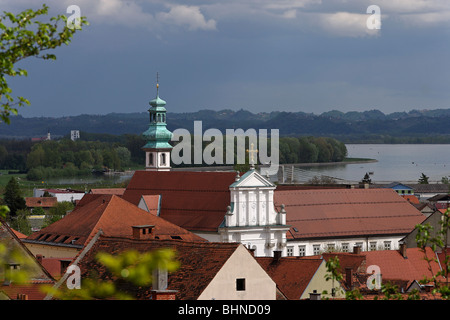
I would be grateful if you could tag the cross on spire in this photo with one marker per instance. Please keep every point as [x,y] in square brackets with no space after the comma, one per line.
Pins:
[251,153]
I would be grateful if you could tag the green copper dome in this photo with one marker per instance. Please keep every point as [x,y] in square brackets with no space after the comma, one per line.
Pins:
[157,134]
[157,102]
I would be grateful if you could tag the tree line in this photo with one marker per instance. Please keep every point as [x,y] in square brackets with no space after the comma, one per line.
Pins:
[100,152]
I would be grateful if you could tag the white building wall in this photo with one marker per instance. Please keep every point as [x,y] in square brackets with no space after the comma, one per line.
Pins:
[293,247]
[241,265]
[60,196]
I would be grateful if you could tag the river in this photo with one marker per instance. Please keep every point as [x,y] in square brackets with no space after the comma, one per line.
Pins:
[395,162]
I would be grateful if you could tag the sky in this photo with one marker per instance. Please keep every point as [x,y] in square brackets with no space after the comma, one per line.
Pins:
[259,55]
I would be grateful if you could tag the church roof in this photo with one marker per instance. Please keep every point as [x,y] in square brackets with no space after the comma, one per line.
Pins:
[347,212]
[194,200]
[110,213]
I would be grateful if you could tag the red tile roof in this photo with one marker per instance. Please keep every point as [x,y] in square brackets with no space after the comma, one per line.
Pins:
[33,290]
[152,203]
[394,266]
[412,199]
[19,234]
[44,202]
[116,191]
[199,263]
[291,274]
[113,215]
[194,200]
[346,212]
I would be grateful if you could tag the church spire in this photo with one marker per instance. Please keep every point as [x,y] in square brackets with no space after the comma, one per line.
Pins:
[158,147]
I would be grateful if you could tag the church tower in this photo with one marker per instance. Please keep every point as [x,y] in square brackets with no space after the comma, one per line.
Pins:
[157,150]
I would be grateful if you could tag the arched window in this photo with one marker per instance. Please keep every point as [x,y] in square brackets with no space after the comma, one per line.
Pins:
[150,159]
[163,158]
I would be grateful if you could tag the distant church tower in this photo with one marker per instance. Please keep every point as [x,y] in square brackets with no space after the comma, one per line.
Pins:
[157,150]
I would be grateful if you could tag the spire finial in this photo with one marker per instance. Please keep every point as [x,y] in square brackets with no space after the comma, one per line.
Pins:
[157,84]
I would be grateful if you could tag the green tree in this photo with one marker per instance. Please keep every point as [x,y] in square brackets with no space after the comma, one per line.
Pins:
[21,222]
[124,156]
[366,179]
[13,197]
[423,179]
[23,36]
[333,274]
[36,157]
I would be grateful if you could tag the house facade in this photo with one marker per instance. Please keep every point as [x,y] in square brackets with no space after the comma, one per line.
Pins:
[207,271]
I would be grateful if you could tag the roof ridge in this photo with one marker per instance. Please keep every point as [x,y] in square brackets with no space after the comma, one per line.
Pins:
[170,241]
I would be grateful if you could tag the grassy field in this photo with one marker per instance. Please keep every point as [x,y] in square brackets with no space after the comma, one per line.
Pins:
[28,186]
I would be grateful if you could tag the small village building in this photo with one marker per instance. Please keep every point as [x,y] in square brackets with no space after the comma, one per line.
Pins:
[61,195]
[400,188]
[427,190]
[40,202]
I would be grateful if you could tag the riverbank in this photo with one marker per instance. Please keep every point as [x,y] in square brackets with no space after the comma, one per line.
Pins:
[344,162]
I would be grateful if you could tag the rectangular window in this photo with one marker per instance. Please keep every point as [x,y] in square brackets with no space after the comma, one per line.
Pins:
[373,246]
[316,249]
[290,251]
[387,245]
[330,247]
[240,284]
[345,247]
[301,251]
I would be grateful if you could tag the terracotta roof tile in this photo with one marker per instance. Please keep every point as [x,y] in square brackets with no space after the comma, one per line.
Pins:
[194,200]
[114,216]
[291,274]
[45,202]
[394,266]
[151,203]
[199,263]
[347,212]
[116,191]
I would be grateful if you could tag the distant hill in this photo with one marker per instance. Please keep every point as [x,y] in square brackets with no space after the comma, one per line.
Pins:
[351,126]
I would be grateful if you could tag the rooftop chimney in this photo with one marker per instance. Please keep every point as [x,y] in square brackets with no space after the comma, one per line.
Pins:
[144,232]
[276,255]
[159,286]
[348,278]
[402,250]
[22,296]
[314,295]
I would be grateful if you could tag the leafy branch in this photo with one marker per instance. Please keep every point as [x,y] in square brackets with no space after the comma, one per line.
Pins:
[23,36]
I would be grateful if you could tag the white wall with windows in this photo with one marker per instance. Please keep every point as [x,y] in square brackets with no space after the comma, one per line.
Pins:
[300,248]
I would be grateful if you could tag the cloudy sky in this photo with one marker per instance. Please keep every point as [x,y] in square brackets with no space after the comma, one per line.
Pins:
[259,55]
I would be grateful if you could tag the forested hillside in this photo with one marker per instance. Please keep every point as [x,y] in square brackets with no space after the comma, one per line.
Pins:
[424,126]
